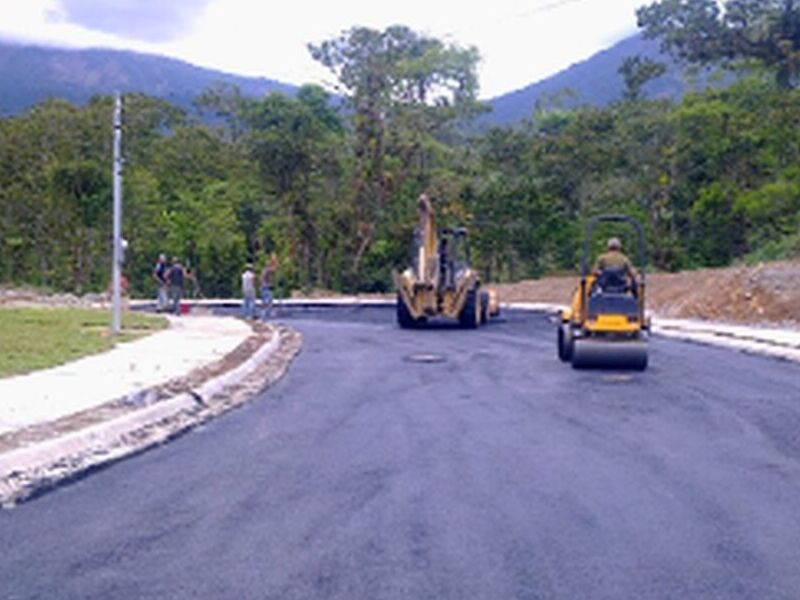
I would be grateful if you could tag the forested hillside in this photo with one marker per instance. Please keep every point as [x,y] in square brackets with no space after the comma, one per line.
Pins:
[31,74]
[714,177]
[595,81]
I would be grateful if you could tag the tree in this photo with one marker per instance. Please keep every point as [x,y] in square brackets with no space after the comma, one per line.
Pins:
[636,71]
[703,33]
[403,88]
[224,101]
[296,145]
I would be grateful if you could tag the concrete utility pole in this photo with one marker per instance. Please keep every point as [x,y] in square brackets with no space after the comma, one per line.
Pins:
[116,318]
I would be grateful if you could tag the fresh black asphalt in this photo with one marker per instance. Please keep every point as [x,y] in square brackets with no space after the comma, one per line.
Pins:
[446,464]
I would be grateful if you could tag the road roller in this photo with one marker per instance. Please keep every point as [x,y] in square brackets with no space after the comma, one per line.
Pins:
[605,325]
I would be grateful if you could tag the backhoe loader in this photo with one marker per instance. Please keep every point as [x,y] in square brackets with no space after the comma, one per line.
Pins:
[440,281]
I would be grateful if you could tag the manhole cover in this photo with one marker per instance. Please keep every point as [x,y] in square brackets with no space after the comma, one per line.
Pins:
[425,357]
[617,378]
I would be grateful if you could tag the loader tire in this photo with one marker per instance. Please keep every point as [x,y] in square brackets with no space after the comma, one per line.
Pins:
[404,318]
[484,307]
[565,343]
[470,315]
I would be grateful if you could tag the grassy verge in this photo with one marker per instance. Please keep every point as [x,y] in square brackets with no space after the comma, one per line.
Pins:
[37,338]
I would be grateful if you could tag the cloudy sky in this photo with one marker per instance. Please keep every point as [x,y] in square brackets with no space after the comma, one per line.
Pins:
[520,41]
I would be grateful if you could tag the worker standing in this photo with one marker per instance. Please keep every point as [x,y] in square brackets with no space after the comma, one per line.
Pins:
[248,292]
[175,277]
[160,276]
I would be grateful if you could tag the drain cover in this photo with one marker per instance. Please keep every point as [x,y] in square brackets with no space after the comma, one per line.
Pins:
[617,378]
[425,357]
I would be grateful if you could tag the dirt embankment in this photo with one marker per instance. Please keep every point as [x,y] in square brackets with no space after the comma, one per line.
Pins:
[25,296]
[765,294]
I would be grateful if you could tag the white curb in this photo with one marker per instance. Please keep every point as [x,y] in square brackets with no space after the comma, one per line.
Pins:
[99,436]
[769,341]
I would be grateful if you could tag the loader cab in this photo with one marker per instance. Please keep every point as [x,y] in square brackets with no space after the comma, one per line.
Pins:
[454,255]
[457,247]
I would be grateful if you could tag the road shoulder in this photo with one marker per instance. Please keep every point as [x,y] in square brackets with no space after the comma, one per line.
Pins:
[37,458]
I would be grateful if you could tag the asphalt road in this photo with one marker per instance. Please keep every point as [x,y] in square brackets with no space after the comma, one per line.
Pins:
[489,470]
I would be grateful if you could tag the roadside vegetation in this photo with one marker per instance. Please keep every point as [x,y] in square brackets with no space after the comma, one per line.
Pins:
[330,184]
[36,338]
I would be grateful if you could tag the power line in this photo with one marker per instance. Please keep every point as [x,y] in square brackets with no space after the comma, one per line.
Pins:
[548,7]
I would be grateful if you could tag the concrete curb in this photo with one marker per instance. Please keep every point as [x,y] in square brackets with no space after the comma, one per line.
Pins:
[770,342]
[27,470]
[214,386]
[288,302]
[777,343]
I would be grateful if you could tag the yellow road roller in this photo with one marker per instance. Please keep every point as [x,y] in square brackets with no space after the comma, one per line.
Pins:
[605,325]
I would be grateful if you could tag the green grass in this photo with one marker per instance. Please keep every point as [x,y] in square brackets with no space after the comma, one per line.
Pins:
[37,338]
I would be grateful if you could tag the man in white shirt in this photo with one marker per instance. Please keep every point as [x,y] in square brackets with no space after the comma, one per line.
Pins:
[249,292]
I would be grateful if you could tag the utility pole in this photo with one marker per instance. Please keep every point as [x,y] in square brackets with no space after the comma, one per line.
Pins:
[116,318]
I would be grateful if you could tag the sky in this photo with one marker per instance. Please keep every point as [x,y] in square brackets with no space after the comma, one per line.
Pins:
[520,42]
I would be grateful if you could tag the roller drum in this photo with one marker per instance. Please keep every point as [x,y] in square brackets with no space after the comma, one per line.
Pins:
[622,354]
[564,340]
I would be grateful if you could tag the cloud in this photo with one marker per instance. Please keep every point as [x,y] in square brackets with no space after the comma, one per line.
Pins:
[520,41]
[147,20]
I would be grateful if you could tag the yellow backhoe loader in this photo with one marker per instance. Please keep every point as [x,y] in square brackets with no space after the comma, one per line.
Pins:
[605,326]
[440,282]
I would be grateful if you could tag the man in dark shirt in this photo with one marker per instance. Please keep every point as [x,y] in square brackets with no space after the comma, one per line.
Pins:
[175,277]
[160,276]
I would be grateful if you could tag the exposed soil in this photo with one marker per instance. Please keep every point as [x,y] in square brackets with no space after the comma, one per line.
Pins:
[765,294]
[19,297]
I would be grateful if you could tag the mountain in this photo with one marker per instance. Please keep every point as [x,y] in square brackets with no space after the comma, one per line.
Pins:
[28,74]
[595,81]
